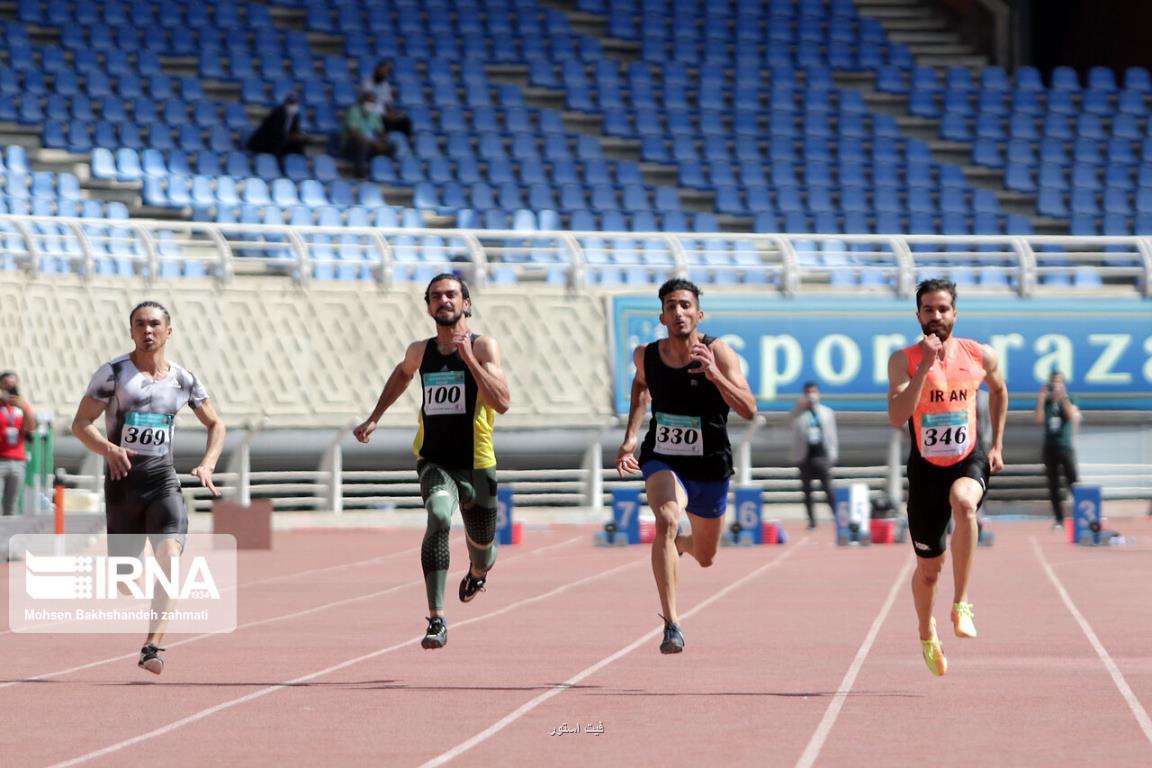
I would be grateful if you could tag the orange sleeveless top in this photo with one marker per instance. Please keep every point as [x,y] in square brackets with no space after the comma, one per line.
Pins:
[944,422]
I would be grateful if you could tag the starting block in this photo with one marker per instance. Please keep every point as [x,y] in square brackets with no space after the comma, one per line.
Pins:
[750,529]
[1087,516]
[853,515]
[507,531]
[625,528]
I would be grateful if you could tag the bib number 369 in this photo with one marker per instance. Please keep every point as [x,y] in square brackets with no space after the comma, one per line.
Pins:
[148,434]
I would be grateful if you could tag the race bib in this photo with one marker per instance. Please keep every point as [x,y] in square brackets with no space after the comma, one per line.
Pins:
[12,436]
[944,434]
[678,435]
[444,393]
[1054,424]
[148,434]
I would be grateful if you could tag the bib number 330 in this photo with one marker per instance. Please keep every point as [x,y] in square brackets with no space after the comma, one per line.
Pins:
[678,435]
[148,434]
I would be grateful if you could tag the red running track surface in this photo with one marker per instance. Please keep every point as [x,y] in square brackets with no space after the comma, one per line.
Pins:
[801,654]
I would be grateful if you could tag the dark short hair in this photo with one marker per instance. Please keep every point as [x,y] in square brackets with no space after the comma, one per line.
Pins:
[153,304]
[935,284]
[810,385]
[6,374]
[678,284]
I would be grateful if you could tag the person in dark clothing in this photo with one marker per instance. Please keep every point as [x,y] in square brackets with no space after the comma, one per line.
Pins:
[279,133]
[815,446]
[1057,411]
[691,381]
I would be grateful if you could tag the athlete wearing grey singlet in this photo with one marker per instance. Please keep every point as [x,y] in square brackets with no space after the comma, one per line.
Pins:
[139,417]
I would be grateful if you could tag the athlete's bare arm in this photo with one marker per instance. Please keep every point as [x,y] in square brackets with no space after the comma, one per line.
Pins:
[720,365]
[997,405]
[85,429]
[626,461]
[397,382]
[483,360]
[903,390]
[207,415]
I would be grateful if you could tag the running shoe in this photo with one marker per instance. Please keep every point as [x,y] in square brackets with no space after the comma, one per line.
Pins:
[470,585]
[436,636]
[934,656]
[673,641]
[962,620]
[150,659]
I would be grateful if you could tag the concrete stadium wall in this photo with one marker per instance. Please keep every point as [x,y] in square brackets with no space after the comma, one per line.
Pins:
[302,357]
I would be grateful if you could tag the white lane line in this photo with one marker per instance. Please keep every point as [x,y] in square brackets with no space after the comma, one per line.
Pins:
[1130,698]
[196,716]
[556,690]
[257,623]
[820,735]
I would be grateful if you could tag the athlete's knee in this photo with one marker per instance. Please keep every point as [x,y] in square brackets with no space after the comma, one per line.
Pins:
[440,507]
[928,569]
[964,509]
[667,518]
[706,558]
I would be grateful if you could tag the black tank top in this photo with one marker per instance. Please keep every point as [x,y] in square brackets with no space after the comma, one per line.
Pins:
[448,410]
[689,426]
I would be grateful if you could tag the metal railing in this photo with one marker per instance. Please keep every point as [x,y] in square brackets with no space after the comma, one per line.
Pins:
[786,263]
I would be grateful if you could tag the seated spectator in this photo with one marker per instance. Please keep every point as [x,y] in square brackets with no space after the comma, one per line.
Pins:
[364,136]
[279,133]
[379,82]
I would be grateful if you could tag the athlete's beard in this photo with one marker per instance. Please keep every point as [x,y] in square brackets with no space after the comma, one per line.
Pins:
[449,321]
[942,332]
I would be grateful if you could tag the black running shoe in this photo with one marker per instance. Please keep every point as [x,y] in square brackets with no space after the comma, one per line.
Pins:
[436,636]
[150,659]
[673,640]
[470,585]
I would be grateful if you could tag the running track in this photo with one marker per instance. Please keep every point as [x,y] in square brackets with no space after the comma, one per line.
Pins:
[797,655]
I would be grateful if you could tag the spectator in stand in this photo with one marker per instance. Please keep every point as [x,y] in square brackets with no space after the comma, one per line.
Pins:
[380,83]
[279,133]
[364,136]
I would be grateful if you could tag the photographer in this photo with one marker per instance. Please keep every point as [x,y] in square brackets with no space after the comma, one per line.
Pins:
[16,420]
[1057,411]
[815,447]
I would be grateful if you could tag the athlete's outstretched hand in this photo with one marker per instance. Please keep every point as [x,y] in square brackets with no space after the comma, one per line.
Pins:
[995,460]
[119,462]
[204,475]
[364,431]
[626,462]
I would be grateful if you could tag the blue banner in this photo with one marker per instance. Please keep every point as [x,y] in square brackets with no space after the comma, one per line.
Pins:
[1104,348]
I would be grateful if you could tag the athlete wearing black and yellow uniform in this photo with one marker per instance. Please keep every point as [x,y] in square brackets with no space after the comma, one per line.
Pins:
[139,395]
[932,388]
[463,390]
[691,381]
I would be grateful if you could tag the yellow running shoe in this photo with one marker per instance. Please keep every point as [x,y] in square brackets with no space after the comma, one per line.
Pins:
[962,620]
[934,656]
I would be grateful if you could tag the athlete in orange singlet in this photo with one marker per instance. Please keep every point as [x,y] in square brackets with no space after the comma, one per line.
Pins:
[932,388]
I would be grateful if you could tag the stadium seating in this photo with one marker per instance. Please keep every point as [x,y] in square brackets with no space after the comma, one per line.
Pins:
[737,101]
